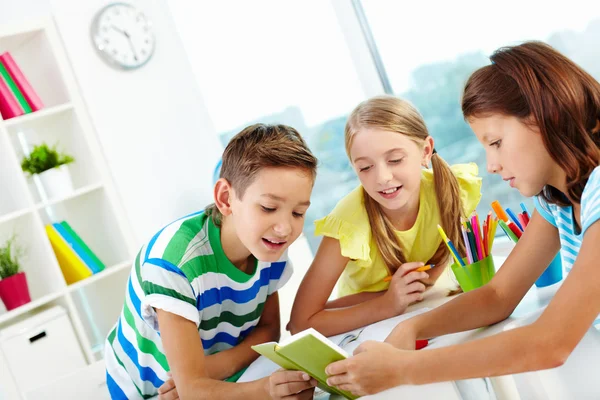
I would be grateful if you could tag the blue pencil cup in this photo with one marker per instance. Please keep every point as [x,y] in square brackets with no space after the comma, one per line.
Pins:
[552,274]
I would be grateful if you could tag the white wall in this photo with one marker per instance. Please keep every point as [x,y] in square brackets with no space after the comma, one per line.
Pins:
[12,12]
[152,124]
[153,127]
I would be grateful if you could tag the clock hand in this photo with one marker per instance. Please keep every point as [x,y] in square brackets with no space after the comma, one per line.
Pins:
[132,48]
[128,36]
[120,30]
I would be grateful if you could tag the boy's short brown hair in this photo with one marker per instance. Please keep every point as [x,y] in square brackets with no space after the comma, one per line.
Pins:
[260,146]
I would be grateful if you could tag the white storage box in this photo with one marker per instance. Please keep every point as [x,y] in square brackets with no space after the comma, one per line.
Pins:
[41,349]
[8,387]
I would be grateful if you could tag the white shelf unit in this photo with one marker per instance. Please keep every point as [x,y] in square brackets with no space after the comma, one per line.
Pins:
[92,209]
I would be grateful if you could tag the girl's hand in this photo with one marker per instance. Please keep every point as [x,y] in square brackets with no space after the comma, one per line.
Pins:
[291,385]
[405,287]
[374,367]
[402,337]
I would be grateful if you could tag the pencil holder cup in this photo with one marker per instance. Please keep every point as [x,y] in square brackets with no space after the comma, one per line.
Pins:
[552,274]
[473,276]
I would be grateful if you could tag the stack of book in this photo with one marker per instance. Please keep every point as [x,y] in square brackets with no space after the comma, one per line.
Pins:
[77,261]
[17,96]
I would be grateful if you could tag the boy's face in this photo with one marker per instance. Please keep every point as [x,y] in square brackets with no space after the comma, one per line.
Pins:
[270,215]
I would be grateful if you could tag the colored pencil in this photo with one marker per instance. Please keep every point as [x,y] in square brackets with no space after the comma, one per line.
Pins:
[420,269]
[472,241]
[476,232]
[450,245]
[514,218]
[467,245]
[508,231]
[525,218]
[524,208]
[500,213]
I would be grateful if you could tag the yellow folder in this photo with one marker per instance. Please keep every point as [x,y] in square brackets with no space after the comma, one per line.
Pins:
[71,265]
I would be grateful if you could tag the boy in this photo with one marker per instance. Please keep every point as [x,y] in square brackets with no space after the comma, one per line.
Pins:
[204,289]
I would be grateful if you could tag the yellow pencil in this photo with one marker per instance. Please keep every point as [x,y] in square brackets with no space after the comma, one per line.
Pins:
[420,269]
[492,233]
[442,234]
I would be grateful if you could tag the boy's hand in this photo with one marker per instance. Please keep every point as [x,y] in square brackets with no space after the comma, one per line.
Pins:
[168,391]
[405,287]
[291,385]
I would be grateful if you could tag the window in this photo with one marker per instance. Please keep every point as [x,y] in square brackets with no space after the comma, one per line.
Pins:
[430,48]
[277,62]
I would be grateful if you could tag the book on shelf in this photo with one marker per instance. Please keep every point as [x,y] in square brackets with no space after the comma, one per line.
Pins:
[72,267]
[9,106]
[33,100]
[98,265]
[79,246]
[76,259]
[16,92]
[307,351]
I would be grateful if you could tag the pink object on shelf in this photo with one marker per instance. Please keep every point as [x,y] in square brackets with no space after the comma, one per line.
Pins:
[22,83]
[9,107]
[14,291]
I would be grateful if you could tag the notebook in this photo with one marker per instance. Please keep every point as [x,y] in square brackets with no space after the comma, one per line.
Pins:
[307,351]
[264,366]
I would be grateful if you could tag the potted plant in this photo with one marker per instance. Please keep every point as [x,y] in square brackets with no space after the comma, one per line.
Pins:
[52,169]
[13,283]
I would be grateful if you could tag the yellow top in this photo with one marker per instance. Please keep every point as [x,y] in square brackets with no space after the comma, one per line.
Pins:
[349,223]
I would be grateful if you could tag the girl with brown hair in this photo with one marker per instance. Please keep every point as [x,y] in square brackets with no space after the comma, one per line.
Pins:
[386,227]
[538,116]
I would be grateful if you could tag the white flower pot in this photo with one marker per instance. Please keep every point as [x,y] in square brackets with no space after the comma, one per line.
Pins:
[56,182]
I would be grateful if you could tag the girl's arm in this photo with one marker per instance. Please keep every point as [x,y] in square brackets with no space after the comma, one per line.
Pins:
[352,299]
[544,344]
[310,306]
[496,300]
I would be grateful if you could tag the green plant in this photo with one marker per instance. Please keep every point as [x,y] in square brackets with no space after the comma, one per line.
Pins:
[43,158]
[9,258]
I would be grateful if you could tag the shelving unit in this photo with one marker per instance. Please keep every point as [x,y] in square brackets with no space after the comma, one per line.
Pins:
[92,209]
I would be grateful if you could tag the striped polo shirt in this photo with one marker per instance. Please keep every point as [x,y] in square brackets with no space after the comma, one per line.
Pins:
[562,218]
[183,270]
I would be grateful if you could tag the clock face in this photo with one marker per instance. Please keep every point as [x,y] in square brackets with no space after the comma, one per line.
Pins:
[123,35]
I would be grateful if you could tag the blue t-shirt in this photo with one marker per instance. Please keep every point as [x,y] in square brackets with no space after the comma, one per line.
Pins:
[562,218]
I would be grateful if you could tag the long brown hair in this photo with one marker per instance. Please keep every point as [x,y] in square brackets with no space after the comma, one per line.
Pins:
[260,146]
[399,116]
[539,85]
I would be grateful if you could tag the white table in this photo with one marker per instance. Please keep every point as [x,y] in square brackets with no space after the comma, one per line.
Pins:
[558,383]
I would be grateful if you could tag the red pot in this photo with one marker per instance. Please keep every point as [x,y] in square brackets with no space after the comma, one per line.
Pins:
[14,291]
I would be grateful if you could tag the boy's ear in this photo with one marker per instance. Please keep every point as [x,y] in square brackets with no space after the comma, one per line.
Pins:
[223,194]
[427,151]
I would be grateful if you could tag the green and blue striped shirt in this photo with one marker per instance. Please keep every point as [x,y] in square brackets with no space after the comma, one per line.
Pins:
[183,270]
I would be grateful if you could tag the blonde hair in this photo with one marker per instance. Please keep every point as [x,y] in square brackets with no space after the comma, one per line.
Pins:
[260,146]
[396,115]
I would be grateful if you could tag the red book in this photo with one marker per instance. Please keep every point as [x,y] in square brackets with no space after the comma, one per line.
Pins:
[22,83]
[9,107]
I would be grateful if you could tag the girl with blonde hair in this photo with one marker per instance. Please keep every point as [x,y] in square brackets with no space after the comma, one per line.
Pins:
[387,226]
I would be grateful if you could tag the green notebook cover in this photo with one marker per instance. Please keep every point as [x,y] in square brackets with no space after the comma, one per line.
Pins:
[15,89]
[307,351]
[85,247]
